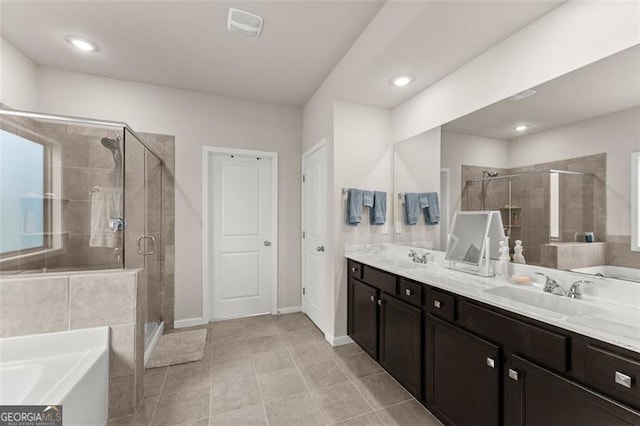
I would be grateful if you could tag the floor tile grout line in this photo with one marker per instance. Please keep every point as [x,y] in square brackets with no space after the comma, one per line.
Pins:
[155,407]
[306,385]
[255,374]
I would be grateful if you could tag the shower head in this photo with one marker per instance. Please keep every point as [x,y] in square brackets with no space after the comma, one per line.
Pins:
[489,174]
[113,145]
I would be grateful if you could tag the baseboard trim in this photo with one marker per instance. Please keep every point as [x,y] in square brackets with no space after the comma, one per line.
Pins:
[290,309]
[337,340]
[189,322]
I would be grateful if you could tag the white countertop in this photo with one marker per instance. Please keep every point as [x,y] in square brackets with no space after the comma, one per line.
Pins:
[617,302]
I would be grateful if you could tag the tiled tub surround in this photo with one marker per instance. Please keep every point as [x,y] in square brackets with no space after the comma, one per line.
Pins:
[275,370]
[55,302]
[618,325]
[582,199]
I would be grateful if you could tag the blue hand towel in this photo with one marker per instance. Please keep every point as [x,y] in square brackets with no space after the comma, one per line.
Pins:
[367,198]
[379,212]
[432,213]
[423,198]
[411,209]
[354,206]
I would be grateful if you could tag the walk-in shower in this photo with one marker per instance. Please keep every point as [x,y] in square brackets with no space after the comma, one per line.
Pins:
[83,195]
[541,205]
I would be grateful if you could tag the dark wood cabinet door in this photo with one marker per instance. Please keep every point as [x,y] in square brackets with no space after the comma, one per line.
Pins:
[401,342]
[363,308]
[462,376]
[535,396]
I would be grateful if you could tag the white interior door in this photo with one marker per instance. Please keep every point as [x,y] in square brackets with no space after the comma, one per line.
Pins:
[240,202]
[314,235]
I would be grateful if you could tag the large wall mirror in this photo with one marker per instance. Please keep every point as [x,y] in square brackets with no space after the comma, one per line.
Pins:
[554,160]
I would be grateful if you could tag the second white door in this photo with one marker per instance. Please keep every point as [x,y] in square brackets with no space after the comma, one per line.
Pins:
[240,203]
[314,238]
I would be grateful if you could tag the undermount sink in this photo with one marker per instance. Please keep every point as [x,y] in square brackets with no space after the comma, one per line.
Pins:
[561,305]
[402,264]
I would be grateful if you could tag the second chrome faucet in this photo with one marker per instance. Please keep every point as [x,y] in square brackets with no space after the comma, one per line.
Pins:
[552,286]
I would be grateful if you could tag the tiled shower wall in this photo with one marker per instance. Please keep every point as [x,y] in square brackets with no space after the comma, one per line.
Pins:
[85,164]
[582,200]
[56,302]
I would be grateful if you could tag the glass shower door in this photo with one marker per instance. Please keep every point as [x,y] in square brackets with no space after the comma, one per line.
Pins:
[143,212]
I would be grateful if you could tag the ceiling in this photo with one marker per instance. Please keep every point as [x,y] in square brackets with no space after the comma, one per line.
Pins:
[609,85]
[440,39]
[185,44]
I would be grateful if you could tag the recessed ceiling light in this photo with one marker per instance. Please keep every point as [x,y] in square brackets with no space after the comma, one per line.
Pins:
[82,44]
[401,80]
[521,128]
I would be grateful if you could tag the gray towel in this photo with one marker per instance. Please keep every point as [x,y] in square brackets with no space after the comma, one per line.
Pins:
[367,198]
[354,206]
[411,207]
[432,213]
[379,212]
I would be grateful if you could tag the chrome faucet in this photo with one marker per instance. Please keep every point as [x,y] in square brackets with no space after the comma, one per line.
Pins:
[416,258]
[552,286]
[574,290]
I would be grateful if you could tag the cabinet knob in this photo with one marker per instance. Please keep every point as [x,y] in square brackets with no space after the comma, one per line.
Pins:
[623,379]
[380,302]
[407,292]
[513,374]
[437,304]
[491,362]
[373,298]
[354,269]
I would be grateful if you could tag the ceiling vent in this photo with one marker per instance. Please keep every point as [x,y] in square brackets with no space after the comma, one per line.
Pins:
[243,22]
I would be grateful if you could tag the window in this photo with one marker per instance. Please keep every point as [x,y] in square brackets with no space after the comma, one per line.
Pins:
[22,195]
[635,201]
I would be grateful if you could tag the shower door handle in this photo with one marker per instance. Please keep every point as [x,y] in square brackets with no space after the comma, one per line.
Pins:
[146,253]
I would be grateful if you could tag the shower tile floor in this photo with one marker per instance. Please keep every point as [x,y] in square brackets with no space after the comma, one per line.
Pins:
[275,370]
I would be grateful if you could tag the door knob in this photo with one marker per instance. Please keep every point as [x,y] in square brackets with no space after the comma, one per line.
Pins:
[267,243]
[320,248]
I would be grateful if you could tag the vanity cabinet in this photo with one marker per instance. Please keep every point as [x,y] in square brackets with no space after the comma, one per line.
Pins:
[475,364]
[385,326]
[536,396]
[462,375]
[400,342]
[364,316]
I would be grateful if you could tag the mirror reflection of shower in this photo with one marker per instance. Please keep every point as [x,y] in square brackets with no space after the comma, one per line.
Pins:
[486,175]
[117,222]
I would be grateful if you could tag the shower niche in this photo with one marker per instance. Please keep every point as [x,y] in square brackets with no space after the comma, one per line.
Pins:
[86,195]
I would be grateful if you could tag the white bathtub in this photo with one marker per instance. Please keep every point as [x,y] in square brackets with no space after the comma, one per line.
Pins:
[68,368]
[630,274]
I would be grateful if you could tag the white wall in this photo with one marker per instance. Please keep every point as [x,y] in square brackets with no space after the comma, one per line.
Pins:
[196,120]
[617,134]
[569,37]
[416,168]
[17,78]
[470,150]
[363,158]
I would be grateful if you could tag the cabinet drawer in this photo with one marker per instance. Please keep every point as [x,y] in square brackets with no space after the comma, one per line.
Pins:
[383,280]
[614,375]
[545,347]
[411,292]
[355,270]
[441,304]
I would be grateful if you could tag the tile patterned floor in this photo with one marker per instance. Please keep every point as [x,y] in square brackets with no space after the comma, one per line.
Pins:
[275,370]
